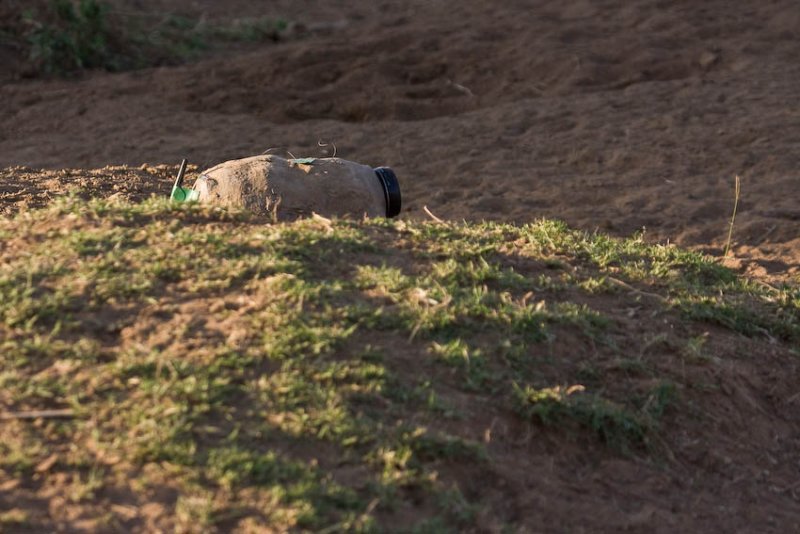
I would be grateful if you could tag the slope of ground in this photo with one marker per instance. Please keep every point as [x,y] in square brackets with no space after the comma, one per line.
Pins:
[614,115]
[171,367]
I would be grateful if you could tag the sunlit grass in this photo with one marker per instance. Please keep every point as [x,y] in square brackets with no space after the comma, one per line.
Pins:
[313,374]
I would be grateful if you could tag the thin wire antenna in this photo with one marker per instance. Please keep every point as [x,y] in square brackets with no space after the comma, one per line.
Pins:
[323,145]
[268,151]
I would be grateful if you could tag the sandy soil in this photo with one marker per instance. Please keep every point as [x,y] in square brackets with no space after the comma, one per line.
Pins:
[609,114]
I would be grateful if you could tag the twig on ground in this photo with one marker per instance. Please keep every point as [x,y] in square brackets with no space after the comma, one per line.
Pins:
[38,414]
[766,284]
[326,223]
[460,88]
[632,289]
[431,215]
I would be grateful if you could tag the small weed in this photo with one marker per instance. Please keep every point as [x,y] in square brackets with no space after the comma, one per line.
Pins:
[457,353]
[74,35]
[694,352]
[428,447]
[737,191]
[85,488]
[14,517]
[659,399]
[194,512]
[20,455]
[457,507]
[290,482]
[611,422]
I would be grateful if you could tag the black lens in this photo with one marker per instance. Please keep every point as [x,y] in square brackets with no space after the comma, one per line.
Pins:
[391,190]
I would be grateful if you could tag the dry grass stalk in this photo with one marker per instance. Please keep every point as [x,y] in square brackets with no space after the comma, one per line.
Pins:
[737,192]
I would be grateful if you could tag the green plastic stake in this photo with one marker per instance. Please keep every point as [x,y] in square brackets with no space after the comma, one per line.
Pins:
[184,194]
[180,193]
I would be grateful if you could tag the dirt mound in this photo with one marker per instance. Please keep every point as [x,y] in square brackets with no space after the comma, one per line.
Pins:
[416,68]
[174,367]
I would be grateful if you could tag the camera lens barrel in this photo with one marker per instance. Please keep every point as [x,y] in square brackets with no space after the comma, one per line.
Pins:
[391,190]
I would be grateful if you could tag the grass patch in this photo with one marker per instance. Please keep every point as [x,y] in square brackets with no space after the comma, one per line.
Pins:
[63,36]
[612,423]
[327,374]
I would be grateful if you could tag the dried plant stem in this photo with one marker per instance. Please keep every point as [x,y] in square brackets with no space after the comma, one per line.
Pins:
[733,217]
[431,215]
[37,414]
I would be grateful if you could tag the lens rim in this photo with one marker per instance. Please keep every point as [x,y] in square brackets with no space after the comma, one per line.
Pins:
[391,190]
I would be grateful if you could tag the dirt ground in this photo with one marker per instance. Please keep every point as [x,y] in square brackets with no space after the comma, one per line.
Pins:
[613,115]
